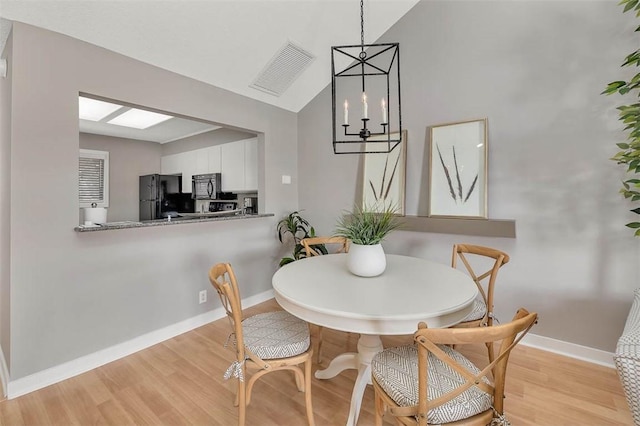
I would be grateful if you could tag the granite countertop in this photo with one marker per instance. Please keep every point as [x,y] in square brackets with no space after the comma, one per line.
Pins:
[189,218]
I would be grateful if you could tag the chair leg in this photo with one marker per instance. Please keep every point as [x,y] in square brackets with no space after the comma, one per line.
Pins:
[379,408]
[242,403]
[307,391]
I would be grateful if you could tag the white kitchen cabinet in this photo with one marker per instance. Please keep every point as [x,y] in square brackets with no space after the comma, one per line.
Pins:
[237,161]
[214,156]
[202,161]
[170,164]
[251,164]
[232,166]
[189,165]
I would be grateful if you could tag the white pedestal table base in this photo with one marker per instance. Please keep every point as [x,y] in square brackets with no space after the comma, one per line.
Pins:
[368,346]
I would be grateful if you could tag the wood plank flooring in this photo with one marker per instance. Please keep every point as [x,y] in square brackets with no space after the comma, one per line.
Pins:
[179,382]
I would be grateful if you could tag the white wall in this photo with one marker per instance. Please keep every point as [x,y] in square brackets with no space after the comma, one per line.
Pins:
[76,293]
[535,70]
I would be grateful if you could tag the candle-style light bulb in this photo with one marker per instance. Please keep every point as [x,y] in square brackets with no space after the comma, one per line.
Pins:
[365,113]
[346,112]
[383,104]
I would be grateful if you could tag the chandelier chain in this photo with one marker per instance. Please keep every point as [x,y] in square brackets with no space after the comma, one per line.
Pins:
[362,24]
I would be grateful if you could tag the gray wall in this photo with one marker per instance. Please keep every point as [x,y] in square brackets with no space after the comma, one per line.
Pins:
[535,70]
[5,206]
[75,293]
[128,160]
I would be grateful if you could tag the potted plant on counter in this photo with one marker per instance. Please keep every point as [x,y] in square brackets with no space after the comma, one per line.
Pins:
[366,227]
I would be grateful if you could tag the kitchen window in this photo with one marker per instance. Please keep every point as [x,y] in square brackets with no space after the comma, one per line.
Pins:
[93,178]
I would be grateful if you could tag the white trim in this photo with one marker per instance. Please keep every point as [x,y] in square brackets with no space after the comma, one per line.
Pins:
[4,373]
[572,350]
[41,379]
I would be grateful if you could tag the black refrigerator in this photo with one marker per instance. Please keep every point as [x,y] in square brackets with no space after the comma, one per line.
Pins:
[159,195]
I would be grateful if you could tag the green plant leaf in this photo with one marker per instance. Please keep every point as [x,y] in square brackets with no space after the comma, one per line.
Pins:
[630,5]
[368,225]
[285,260]
[629,115]
[613,87]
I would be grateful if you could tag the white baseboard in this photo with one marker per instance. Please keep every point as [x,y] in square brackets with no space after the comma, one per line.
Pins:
[41,379]
[572,350]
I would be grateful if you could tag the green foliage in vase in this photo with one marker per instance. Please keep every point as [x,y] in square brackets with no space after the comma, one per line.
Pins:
[629,154]
[368,226]
[299,228]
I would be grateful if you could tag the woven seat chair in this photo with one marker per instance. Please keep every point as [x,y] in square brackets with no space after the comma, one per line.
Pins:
[431,383]
[264,343]
[482,258]
[317,246]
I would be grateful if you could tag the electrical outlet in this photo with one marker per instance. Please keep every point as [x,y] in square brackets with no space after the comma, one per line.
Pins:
[203,296]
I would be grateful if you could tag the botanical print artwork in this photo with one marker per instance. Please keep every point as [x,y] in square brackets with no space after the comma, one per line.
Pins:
[382,194]
[383,179]
[458,169]
[457,197]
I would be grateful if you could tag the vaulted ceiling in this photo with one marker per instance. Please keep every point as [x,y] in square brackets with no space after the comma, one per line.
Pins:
[226,43]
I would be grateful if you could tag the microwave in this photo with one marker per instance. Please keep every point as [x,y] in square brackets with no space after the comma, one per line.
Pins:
[206,186]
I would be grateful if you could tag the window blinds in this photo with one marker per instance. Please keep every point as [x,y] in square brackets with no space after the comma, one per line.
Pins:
[91,180]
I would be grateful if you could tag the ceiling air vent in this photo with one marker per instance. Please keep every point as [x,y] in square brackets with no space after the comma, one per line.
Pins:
[283,69]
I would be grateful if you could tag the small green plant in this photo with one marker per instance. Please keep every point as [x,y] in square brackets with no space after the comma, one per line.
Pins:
[299,228]
[368,226]
[629,155]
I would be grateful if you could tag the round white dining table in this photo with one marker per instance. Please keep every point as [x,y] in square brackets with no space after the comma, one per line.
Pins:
[320,290]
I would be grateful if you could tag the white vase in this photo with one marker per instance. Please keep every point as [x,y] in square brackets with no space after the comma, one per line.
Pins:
[366,261]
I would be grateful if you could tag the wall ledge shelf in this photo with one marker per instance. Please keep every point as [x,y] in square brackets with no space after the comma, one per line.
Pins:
[502,228]
[195,218]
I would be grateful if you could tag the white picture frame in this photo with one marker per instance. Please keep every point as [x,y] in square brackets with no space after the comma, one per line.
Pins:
[458,169]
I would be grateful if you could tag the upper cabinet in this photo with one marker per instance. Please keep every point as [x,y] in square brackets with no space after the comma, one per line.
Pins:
[240,165]
[251,164]
[214,159]
[233,166]
[237,161]
[184,163]
[170,165]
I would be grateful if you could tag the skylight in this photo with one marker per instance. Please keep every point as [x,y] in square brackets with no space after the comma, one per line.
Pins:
[94,110]
[139,119]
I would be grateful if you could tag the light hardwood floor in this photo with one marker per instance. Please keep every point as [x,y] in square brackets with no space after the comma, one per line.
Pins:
[179,382]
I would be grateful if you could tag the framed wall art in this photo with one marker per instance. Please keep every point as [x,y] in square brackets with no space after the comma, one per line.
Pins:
[383,178]
[458,169]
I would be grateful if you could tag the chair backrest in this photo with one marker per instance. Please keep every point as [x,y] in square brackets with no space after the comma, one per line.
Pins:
[224,281]
[491,379]
[316,246]
[467,253]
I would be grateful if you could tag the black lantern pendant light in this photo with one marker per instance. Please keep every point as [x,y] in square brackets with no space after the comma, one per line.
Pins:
[365,75]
